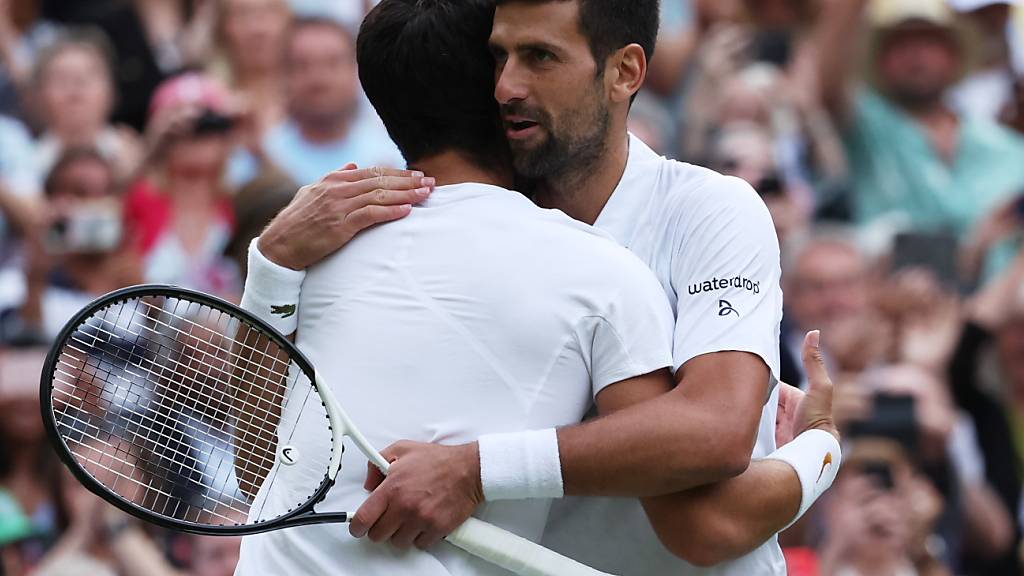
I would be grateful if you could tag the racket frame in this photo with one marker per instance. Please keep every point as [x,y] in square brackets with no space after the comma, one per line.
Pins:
[300,516]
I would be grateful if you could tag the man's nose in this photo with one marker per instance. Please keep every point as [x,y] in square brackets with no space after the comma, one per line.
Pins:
[511,83]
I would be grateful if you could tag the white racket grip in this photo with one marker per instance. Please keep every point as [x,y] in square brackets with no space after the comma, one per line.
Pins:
[515,553]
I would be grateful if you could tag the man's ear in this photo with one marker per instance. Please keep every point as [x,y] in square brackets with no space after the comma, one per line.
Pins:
[627,70]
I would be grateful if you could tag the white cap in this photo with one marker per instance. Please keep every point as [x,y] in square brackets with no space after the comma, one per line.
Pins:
[972,5]
[892,13]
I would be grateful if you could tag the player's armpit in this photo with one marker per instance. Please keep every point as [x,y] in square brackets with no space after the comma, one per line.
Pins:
[721,522]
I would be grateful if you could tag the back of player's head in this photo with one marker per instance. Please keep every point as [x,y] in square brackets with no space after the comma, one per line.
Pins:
[609,25]
[426,68]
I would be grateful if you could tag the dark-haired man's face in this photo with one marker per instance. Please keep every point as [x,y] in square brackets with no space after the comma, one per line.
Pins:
[554,104]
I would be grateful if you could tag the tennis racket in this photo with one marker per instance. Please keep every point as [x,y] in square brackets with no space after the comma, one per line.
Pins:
[188,412]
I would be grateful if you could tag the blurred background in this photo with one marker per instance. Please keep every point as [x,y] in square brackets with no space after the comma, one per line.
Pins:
[150,140]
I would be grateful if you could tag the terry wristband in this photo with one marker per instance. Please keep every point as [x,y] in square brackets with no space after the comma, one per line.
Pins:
[520,465]
[816,457]
[272,291]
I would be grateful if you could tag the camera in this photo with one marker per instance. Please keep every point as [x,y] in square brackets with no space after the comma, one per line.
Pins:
[93,227]
[210,122]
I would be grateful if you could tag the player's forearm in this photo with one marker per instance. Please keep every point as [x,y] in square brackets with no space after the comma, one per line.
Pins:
[661,446]
[720,522]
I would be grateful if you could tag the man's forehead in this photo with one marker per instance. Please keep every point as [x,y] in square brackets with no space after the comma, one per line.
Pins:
[554,22]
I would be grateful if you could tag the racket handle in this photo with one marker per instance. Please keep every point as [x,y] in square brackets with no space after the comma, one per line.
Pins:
[515,553]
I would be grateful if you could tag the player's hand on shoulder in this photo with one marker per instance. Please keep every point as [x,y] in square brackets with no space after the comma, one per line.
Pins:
[325,216]
[814,411]
[430,490]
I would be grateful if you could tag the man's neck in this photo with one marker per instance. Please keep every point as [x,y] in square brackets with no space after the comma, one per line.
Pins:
[583,191]
[943,129]
[324,130]
[451,167]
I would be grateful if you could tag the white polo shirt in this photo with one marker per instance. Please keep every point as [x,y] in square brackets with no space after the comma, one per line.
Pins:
[711,243]
[479,313]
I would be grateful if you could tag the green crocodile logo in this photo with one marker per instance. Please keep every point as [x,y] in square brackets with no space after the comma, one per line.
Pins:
[286,311]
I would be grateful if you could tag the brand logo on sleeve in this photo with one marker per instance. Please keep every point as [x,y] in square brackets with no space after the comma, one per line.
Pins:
[725,308]
[286,311]
[738,283]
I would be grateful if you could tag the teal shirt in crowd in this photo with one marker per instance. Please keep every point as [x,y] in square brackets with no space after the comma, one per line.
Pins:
[895,168]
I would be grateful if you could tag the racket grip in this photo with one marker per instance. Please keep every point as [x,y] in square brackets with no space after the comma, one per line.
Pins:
[515,553]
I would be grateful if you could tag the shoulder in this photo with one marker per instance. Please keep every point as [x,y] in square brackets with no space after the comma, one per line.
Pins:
[698,197]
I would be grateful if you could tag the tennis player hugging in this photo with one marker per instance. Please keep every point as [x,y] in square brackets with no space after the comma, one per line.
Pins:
[475,329]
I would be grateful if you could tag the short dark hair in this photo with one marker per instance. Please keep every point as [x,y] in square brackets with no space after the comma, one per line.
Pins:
[609,25]
[426,68]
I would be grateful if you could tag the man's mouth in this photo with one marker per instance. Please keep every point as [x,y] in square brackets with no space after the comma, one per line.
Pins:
[517,128]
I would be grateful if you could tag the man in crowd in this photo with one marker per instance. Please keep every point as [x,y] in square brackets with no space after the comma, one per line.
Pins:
[909,152]
[567,72]
[327,118]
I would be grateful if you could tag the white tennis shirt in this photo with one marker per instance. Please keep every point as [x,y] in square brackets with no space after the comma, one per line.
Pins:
[711,243]
[479,313]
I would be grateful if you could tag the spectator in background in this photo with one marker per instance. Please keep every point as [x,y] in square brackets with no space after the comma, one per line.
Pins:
[28,468]
[987,375]
[911,157]
[152,40]
[328,124]
[179,214]
[75,248]
[22,32]
[757,72]
[879,515]
[827,281]
[987,90]
[99,539]
[250,38]
[75,96]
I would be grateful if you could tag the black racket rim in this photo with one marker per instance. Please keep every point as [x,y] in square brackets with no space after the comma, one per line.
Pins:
[301,515]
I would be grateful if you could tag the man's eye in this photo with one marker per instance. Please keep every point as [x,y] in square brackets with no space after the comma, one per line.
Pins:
[543,56]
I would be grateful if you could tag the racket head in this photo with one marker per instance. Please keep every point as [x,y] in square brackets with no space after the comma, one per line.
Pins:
[110,413]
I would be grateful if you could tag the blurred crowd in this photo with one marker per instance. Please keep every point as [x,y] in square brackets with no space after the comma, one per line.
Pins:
[150,140]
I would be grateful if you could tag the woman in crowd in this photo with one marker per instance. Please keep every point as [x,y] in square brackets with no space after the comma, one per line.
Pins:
[179,213]
[250,37]
[76,95]
[75,250]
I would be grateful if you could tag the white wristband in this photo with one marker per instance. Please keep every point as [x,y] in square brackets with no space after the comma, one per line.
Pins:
[520,465]
[272,291]
[816,457]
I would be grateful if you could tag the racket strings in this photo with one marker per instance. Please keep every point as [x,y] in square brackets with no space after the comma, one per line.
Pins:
[178,407]
[138,361]
[167,360]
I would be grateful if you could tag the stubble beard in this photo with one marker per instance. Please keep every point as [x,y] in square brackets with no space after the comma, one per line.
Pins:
[567,153]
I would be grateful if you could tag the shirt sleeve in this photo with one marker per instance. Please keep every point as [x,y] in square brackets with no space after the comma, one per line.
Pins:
[633,334]
[726,271]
